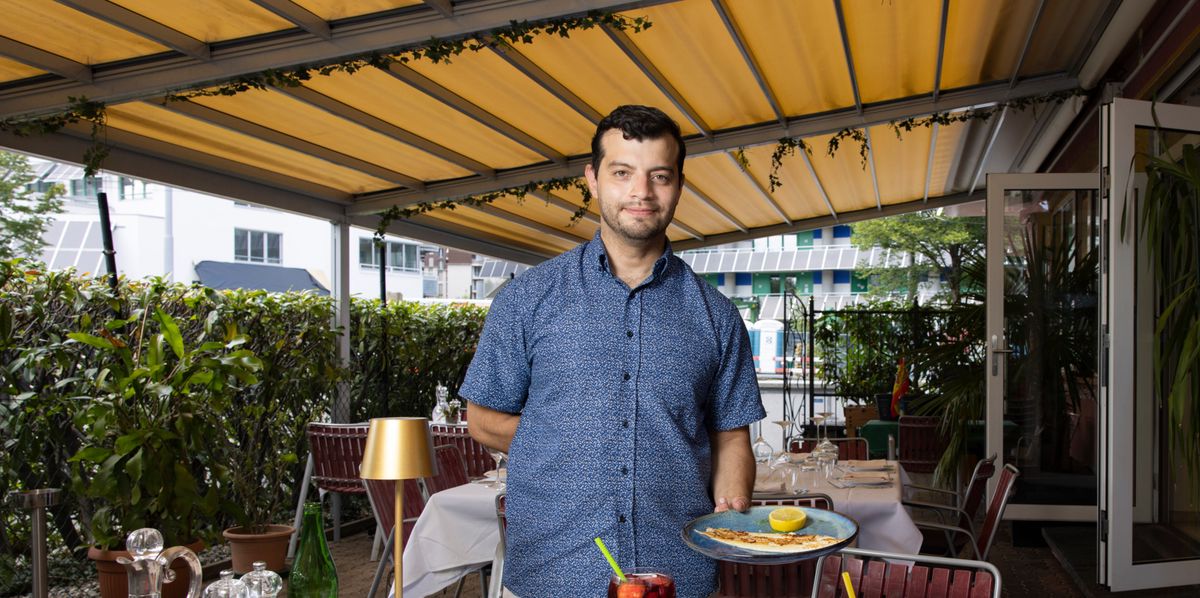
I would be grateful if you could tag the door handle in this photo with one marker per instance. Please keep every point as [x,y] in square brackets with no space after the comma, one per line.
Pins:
[997,343]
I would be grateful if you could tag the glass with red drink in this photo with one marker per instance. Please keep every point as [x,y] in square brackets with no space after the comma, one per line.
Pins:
[641,583]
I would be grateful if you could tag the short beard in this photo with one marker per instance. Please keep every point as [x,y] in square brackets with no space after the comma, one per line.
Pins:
[640,233]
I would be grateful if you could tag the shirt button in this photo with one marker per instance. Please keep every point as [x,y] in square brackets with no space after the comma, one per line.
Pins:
[625,424]
[621,519]
[626,375]
[629,333]
[624,470]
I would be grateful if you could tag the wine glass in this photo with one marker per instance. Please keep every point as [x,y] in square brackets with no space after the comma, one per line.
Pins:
[785,425]
[762,449]
[825,445]
[498,457]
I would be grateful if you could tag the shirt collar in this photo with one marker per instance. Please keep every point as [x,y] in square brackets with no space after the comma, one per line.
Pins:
[595,253]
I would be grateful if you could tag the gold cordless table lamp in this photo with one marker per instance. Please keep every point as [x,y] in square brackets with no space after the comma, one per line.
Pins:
[398,448]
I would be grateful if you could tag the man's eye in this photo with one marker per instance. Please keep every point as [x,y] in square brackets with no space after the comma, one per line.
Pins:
[620,173]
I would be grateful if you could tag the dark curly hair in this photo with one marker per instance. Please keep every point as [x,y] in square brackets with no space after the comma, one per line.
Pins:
[640,123]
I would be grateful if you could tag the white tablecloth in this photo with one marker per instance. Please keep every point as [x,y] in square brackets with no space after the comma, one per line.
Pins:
[883,523]
[456,534]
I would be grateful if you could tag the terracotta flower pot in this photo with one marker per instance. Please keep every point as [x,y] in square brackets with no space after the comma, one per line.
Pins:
[269,547]
[115,584]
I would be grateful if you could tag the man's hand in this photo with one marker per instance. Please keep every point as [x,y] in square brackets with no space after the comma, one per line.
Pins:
[740,504]
[733,469]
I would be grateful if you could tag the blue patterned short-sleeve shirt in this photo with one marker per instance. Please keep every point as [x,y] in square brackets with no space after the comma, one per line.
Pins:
[619,391]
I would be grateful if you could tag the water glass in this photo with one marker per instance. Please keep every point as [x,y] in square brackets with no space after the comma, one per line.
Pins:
[826,462]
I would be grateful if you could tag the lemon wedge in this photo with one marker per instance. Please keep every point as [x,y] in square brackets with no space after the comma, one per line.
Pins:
[787,519]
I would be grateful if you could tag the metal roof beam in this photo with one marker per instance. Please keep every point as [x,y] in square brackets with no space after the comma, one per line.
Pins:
[929,164]
[363,119]
[745,137]
[993,133]
[153,160]
[245,127]
[841,17]
[432,230]
[643,62]
[689,231]
[937,76]
[716,207]
[136,23]
[739,40]
[528,224]
[152,76]
[820,187]
[763,193]
[843,218]
[522,63]
[871,163]
[1037,18]
[38,58]
[435,90]
[298,16]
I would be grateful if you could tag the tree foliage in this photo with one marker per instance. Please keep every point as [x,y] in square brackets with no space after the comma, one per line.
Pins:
[935,243]
[24,214]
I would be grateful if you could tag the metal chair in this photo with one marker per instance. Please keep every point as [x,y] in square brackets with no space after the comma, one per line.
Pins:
[848,448]
[963,506]
[335,453]
[381,494]
[476,456]
[451,471]
[794,580]
[955,536]
[920,444]
[873,576]
[496,583]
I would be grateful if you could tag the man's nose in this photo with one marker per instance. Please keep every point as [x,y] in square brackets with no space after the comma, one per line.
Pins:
[640,187]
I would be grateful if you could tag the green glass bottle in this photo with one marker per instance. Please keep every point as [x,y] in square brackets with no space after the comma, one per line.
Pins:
[313,574]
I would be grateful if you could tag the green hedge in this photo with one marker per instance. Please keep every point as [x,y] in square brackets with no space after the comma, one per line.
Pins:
[399,355]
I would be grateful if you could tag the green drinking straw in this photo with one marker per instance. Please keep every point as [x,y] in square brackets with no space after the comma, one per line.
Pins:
[611,561]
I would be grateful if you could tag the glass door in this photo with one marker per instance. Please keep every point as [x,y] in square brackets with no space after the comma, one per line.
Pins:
[1042,351]
[1150,511]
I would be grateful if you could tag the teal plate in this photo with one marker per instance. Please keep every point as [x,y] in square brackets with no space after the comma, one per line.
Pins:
[820,521]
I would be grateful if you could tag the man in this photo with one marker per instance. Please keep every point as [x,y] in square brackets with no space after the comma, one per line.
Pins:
[620,383]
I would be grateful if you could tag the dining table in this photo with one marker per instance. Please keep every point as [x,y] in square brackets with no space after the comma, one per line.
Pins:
[457,534]
[883,522]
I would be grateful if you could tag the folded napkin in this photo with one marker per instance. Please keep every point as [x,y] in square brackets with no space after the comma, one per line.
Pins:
[872,465]
[867,476]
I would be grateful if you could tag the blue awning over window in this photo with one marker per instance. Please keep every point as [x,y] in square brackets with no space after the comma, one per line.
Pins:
[276,279]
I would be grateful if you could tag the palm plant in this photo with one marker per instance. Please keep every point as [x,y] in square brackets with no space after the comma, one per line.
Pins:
[1170,217]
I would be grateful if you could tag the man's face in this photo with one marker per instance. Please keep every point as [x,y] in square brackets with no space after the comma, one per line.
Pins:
[637,185]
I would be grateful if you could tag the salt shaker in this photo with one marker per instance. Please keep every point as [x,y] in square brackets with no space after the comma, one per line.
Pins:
[227,587]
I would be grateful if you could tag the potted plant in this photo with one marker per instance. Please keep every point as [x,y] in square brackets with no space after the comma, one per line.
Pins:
[262,455]
[149,431]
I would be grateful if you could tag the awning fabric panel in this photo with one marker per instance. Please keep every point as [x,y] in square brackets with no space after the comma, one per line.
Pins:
[845,178]
[699,215]
[489,82]
[537,210]
[894,45]
[703,64]
[209,20]
[11,70]
[382,96]
[1060,35]
[298,119]
[719,177]
[64,31]
[798,192]
[900,164]
[807,72]
[159,123]
[595,69]
[332,10]
[946,153]
[498,227]
[984,40]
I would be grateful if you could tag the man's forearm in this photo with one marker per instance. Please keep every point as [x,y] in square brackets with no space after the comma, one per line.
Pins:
[491,428]
[733,469]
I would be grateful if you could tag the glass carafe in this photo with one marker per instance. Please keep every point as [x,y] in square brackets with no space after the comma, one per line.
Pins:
[150,565]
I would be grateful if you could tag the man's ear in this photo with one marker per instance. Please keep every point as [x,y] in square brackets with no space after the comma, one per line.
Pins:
[589,174]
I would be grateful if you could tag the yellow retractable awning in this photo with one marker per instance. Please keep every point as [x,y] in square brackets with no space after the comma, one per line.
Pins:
[737,76]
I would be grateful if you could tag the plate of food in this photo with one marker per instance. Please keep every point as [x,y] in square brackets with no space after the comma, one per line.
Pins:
[769,534]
